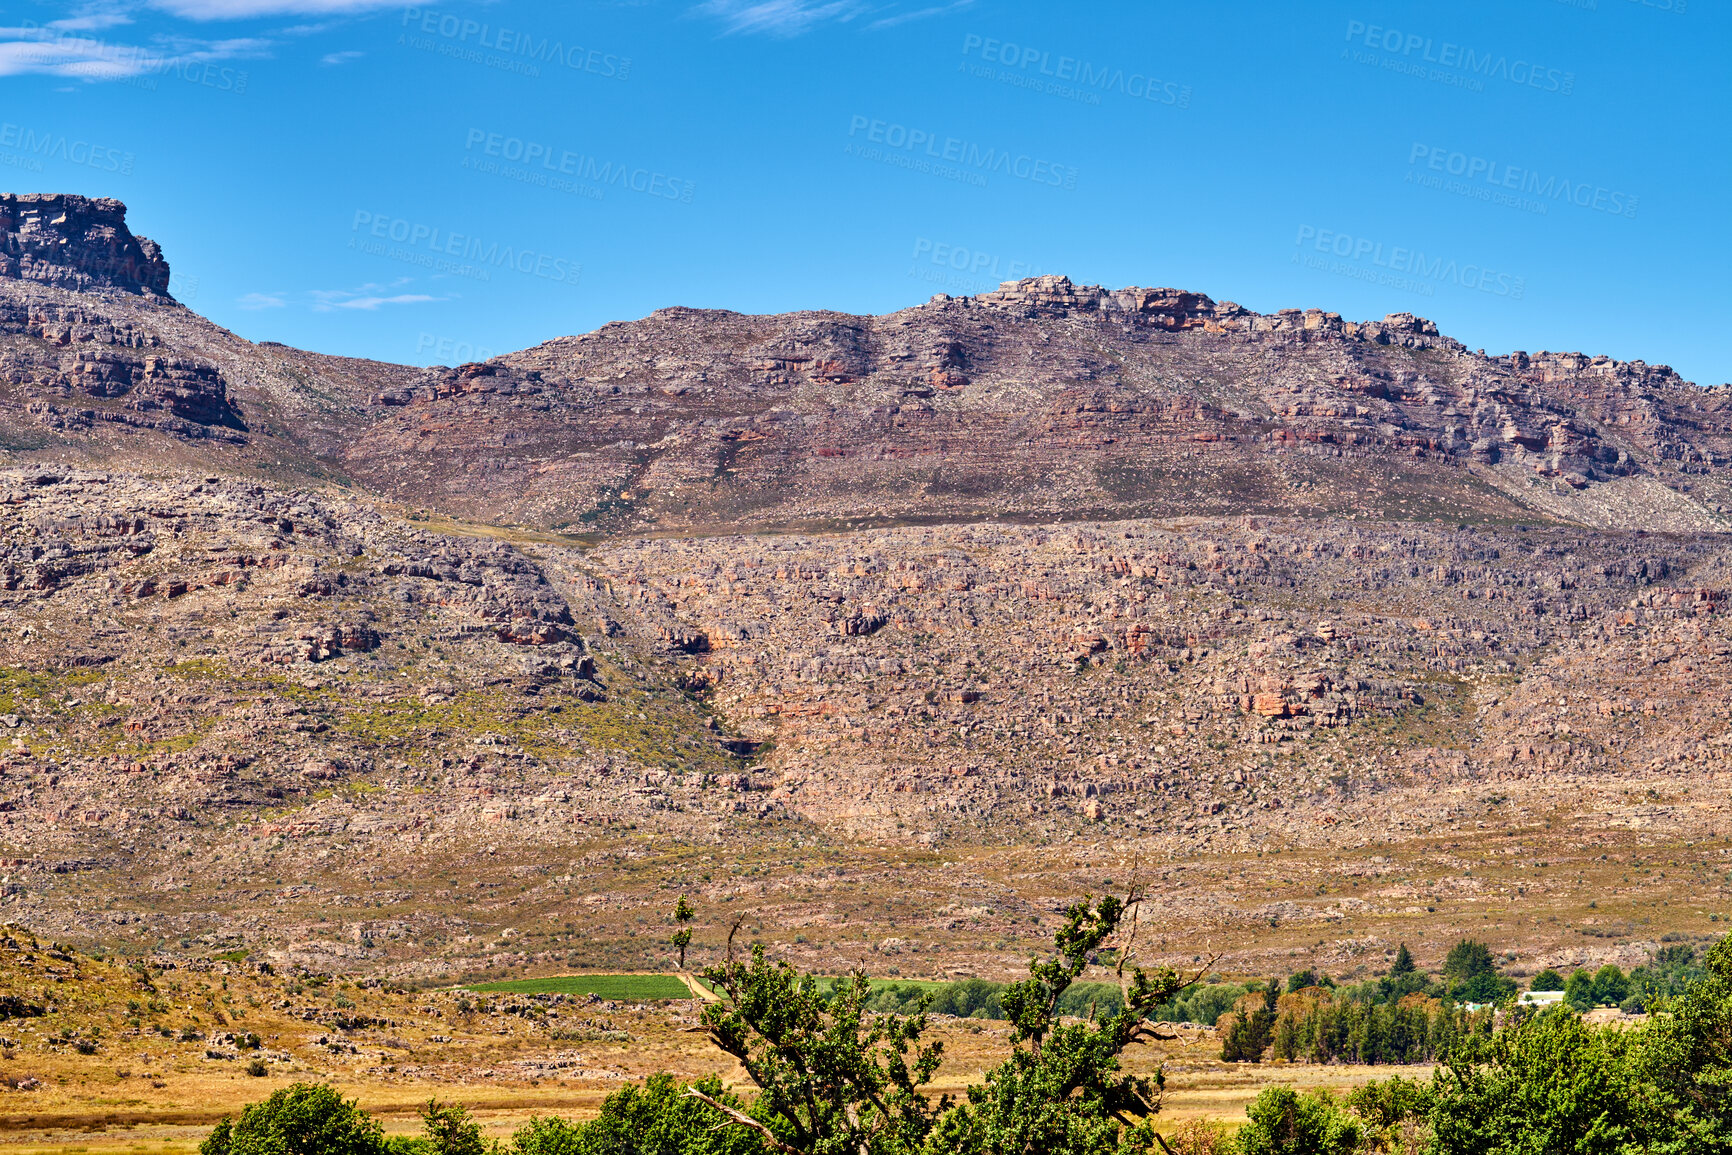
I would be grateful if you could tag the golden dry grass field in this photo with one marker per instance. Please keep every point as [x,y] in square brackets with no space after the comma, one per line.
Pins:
[134,1060]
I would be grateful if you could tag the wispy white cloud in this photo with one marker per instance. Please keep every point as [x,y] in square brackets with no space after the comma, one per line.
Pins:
[334,58]
[896,18]
[780,17]
[261,301]
[374,302]
[367,297]
[75,47]
[248,9]
[67,49]
[93,20]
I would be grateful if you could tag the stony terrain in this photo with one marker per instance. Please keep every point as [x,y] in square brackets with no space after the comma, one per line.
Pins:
[887,634]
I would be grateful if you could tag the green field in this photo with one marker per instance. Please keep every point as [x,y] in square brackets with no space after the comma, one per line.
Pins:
[605,986]
[827,984]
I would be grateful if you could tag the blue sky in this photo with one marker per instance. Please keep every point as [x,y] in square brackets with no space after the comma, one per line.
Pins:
[434,184]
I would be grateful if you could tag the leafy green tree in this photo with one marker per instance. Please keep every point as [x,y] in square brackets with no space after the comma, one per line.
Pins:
[1667,975]
[551,1135]
[450,1130]
[1468,959]
[831,1080]
[1202,1004]
[683,915]
[1253,1028]
[1394,1109]
[300,1119]
[1298,982]
[658,1118]
[1686,1059]
[1547,980]
[1472,974]
[1579,991]
[1548,1084]
[969,997]
[1611,986]
[1404,977]
[1061,1091]
[1284,1122]
[1403,964]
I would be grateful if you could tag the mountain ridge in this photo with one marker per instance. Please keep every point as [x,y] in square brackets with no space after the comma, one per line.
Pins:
[373,667]
[1041,399]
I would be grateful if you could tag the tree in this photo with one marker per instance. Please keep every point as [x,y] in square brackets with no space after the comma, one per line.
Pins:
[1547,980]
[1395,1111]
[1611,987]
[1404,977]
[683,914]
[450,1130]
[1579,991]
[1548,1084]
[300,1119]
[830,1080]
[1472,974]
[1061,1091]
[1284,1122]
[1403,964]
[1298,982]
[1687,1061]
[1667,975]
[1249,1033]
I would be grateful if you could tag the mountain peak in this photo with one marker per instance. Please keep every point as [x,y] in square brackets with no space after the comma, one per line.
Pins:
[76,242]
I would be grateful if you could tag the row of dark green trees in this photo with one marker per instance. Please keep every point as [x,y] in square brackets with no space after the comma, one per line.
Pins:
[1407,1016]
[830,1076]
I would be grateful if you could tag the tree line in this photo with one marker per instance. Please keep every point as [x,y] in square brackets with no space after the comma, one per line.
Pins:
[830,1075]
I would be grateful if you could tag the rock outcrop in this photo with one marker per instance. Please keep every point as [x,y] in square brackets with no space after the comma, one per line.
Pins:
[76,242]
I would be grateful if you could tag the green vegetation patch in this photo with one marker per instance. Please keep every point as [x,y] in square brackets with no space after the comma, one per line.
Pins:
[603,986]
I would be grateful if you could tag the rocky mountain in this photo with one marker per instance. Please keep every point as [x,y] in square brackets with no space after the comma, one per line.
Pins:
[336,659]
[1043,400]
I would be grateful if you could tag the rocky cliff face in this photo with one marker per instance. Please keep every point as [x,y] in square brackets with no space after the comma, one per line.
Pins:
[76,242]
